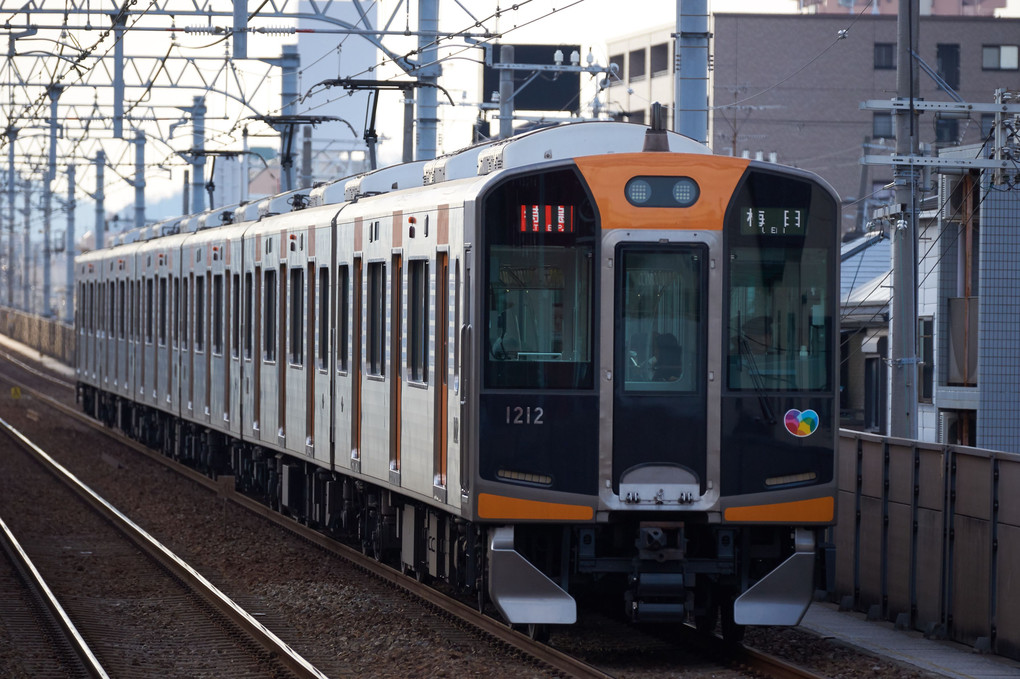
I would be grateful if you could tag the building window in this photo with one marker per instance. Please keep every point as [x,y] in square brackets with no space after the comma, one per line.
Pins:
[926,362]
[948,61]
[637,65]
[885,56]
[987,125]
[1000,57]
[660,59]
[882,125]
[418,320]
[946,131]
[616,65]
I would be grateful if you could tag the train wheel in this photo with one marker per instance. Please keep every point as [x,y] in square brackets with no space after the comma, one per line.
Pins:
[539,633]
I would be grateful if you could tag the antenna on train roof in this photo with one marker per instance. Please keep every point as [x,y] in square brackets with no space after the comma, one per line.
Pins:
[655,136]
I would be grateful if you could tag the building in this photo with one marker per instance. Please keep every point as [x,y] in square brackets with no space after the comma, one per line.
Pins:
[789,87]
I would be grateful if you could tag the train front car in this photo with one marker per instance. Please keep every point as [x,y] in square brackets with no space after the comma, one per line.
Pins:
[657,387]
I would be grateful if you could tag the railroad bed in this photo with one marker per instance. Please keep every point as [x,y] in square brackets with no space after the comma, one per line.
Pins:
[346,623]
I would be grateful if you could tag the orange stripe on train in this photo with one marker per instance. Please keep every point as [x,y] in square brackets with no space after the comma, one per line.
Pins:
[500,507]
[817,510]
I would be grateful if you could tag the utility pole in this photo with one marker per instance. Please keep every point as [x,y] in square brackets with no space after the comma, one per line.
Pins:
[26,279]
[69,245]
[903,383]
[100,199]
[51,174]
[139,182]
[428,76]
[506,93]
[12,134]
[690,72]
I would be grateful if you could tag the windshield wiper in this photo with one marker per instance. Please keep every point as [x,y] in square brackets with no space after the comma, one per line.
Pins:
[756,379]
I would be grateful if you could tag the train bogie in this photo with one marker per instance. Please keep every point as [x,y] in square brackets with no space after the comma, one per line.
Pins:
[554,361]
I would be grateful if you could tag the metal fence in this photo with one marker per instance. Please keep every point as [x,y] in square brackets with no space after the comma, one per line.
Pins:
[928,536]
[47,336]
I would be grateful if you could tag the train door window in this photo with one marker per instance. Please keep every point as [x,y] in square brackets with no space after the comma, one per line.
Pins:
[660,309]
[269,315]
[297,315]
[235,314]
[162,311]
[418,320]
[176,313]
[376,318]
[121,309]
[150,320]
[217,320]
[322,341]
[111,317]
[343,291]
[249,320]
[456,324]
[199,313]
[539,330]
[185,309]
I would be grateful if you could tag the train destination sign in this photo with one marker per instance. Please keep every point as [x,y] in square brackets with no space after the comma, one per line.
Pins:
[773,221]
[547,219]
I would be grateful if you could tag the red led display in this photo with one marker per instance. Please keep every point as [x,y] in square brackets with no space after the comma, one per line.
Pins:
[547,219]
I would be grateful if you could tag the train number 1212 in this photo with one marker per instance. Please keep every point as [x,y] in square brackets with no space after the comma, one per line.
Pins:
[524,415]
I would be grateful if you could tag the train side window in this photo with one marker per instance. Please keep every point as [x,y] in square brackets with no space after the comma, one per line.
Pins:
[376,318]
[216,320]
[269,314]
[296,355]
[199,313]
[149,315]
[343,290]
[235,314]
[456,324]
[418,320]
[322,341]
[249,308]
[185,307]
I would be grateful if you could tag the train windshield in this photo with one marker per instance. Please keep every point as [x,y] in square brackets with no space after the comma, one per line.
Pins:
[780,270]
[539,251]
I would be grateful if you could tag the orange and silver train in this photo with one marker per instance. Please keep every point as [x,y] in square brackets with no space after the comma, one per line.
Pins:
[593,356]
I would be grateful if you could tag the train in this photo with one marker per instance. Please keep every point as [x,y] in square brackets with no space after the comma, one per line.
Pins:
[591,358]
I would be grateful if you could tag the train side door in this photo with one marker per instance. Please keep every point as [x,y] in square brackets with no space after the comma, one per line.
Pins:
[659,390]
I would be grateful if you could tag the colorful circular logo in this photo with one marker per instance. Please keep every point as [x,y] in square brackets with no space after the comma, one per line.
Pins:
[801,423]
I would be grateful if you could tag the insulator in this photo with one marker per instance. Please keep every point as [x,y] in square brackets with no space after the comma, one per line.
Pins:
[213,30]
[276,30]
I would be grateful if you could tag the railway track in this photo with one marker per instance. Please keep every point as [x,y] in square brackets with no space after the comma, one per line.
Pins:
[459,615]
[138,604]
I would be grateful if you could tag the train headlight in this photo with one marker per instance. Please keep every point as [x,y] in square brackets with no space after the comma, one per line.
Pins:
[650,191]
[638,191]
[685,191]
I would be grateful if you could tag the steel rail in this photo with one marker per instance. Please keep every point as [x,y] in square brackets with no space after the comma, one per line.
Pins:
[287,656]
[43,592]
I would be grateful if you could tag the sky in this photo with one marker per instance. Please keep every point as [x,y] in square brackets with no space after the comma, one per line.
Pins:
[590,23]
